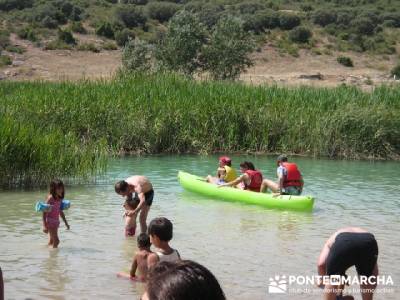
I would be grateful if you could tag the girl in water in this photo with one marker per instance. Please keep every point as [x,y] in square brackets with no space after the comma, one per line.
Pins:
[51,219]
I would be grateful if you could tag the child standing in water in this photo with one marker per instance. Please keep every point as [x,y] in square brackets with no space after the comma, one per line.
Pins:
[130,218]
[141,256]
[51,220]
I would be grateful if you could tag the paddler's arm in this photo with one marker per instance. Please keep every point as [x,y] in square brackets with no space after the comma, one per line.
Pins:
[234,182]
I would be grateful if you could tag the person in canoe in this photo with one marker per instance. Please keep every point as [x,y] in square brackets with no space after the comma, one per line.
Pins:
[250,179]
[290,180]
[225,172]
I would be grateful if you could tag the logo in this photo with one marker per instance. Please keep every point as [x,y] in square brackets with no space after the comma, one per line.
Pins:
[277,285]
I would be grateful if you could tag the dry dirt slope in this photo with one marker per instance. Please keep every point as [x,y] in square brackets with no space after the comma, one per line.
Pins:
[270,66]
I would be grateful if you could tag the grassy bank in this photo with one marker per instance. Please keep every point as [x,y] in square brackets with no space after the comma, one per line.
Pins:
[65,129]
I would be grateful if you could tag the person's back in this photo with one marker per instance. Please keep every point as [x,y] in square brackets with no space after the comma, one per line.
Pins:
[141,258]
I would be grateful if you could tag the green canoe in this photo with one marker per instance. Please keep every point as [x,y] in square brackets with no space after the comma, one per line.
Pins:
[199,185]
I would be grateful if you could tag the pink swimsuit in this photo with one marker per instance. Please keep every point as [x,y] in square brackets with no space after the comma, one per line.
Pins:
[53,217]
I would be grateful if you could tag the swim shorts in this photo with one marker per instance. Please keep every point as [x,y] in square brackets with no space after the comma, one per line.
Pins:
[148,198]
[130,231]
[292,190]
[358,249]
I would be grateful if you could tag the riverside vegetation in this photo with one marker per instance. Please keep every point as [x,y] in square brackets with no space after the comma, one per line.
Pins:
[70,128]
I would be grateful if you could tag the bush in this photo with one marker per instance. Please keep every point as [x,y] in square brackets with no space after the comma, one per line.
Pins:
[227,53]
[345,61]
[324,17]
[27,33]
[109,46]
[136,56]
[105,29]
[300,34]
[131,16]
[363,26]
[4,39]
[180,49]
[77,27]
[208,13]
[49,22]
[344,17]
[16,49]
[5,60]
[288,21]
[122,37]
[54,45]
[161,11]
[137,2]
[391,18]
[7,5]
[66,37]
[396,71]
[250,7]
[88,47]
[266,19]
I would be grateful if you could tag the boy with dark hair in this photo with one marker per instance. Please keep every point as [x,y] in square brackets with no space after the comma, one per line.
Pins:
[140,260]
[160,231]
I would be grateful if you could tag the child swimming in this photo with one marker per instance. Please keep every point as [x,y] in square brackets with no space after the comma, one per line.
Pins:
[51,219]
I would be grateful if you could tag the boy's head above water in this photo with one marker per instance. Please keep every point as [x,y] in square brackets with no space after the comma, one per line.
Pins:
[143,240]
[161,228]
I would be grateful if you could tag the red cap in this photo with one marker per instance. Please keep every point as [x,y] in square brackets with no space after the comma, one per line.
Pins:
[225,159]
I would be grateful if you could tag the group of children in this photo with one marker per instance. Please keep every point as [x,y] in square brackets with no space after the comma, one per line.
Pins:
[290,180]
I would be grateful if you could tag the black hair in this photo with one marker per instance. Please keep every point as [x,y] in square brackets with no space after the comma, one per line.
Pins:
[121,187]
[161,228]
[247,165]
[183,280]
[54,185]
[282,158]
[143,240]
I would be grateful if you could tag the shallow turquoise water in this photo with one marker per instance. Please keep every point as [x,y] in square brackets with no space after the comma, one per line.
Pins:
[242,245]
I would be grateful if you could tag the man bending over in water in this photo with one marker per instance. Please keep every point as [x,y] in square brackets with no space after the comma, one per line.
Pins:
[348,247]
[138,192]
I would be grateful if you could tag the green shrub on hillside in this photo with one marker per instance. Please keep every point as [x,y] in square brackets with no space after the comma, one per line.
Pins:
[27,33]
[77,27]
[226,55]
[266,19]
[161,11]
[250,7]
[7,5]
[122,37]
[300,34]
[345,61]
[324,17]
[136,56]
[137,2]
[396,71]
[5,60]
[180,49]
[131,16]
[4,39]
[288,21]
[105,29]
[66,37]
[363,26]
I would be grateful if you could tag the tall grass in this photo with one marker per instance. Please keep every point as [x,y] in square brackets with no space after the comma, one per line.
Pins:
[50,129]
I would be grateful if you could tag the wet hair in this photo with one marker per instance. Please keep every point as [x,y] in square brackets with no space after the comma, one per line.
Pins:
[161,228]
[121,187]
[54,185]
[182,280]
[143,240]
[247,165]
[282,158]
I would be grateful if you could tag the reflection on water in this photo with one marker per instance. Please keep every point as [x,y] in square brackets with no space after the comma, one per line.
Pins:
[242,245]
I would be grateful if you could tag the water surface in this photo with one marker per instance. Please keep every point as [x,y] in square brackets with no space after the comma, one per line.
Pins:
[242,245]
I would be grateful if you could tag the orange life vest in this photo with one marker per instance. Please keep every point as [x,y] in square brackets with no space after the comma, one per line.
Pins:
[293,177]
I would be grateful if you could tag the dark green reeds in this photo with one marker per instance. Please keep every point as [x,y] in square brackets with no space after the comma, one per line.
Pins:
[65,129]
